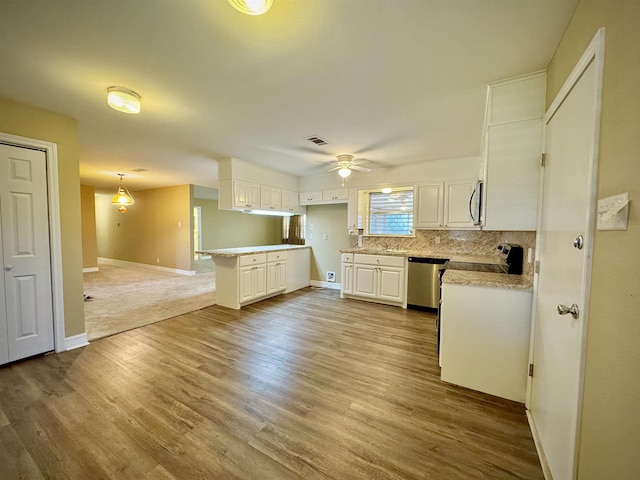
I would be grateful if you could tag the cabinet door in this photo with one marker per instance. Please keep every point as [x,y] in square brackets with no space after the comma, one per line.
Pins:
[260,281]
[307,198]
[347,278]
[513,175]
[430,205]
[246,284]
[391,284]
[253,194]
[276,199]
[365,277]
[289,201]
[240,197]
[457,197]
[265,197]
[281,276]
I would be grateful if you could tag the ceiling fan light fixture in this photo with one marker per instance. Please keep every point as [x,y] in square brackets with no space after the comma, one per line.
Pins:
[123,100]
[344,172]
[251,7]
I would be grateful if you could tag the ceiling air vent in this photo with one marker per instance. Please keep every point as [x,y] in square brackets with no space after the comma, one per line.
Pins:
[317,140]
[139,170]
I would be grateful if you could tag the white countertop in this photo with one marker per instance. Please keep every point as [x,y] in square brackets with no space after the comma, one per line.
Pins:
[239,251]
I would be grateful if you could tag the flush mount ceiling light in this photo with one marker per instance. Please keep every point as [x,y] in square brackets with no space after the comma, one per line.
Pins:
[123,99]
[122,198]
[386,190]
[251,7]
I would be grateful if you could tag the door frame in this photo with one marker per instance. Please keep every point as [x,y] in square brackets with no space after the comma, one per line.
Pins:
[55,237]
[594,53]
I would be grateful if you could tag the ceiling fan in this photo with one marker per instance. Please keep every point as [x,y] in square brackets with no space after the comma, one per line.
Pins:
[345,163]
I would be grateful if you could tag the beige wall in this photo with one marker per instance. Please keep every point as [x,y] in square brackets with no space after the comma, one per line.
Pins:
[610,438]
[26,121]
[89,240]
[226,228]
[157,230]
[329,220]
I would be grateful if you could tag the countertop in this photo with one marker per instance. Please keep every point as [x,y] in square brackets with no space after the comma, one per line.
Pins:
[460,277]
[239,251]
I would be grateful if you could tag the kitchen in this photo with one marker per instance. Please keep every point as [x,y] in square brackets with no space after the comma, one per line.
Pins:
[607,439]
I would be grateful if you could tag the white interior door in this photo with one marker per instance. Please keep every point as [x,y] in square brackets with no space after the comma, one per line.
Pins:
[24,216]
[568,204]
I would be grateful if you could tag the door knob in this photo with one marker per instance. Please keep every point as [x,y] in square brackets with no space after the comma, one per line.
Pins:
[573,310]
[8,268]
[579,242]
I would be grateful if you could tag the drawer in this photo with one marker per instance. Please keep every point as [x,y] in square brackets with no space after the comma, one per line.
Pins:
[381,260]
[275,256]
[347,258]
[246,260]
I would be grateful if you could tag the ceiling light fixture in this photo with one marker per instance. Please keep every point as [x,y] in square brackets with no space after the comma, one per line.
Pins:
[387,190]
[123,99]
[344,172]
[251,7]
[123,198]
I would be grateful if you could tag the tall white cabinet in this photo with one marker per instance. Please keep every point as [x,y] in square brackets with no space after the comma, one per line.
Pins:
[512,152]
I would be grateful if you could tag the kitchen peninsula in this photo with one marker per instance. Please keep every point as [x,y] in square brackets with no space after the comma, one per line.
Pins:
[248,274]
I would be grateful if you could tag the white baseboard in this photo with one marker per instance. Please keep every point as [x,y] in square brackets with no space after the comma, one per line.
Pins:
[89,269]
[123,263]
[76,341]
[331,285]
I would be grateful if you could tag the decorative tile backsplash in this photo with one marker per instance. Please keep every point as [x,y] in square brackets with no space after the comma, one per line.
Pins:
[468,242]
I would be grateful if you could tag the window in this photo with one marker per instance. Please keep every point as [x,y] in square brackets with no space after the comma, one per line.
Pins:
[390,213]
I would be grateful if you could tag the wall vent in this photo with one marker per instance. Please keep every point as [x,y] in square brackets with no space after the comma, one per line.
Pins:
[317,140]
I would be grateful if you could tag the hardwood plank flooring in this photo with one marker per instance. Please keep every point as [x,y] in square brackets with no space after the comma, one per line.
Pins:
[300,386]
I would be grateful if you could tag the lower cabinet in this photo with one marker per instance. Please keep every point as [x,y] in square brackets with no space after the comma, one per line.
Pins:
[378,278]
[346,285]
[484,339]
[245,279]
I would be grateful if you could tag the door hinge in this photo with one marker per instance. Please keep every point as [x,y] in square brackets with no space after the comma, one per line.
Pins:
[537,266]
[543,157]
[531,369]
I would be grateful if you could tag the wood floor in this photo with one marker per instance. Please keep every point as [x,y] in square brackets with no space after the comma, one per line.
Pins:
[302,386]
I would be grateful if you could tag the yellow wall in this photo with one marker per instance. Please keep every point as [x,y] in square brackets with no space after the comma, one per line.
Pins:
[26,121]
[610,437]
[89,240]
[155,231]
[226,228]
[329,220]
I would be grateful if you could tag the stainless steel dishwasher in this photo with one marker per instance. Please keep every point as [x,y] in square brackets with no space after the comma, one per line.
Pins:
[423,283]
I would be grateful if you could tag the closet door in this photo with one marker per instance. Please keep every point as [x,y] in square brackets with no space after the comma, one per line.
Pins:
[24,223]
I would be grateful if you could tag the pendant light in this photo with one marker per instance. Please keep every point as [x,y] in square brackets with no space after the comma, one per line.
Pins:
[251,7]
[122,198]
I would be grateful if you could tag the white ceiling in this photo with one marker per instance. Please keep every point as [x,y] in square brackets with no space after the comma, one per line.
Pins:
[395,81]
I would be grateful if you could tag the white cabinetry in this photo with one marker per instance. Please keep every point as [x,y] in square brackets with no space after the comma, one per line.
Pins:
[444,204]
[290,201]
[270,198]
[252,277]
[346,284]
[456,206]
[484,339]
[512,150]
[276,272]
[245,194]
[429,205]
[319,197]
[378,278]
[242,279]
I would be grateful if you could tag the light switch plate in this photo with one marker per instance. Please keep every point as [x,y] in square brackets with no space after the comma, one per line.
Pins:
[613,212]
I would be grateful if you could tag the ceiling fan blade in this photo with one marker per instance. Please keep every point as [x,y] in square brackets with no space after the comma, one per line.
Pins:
[359,161]
[338,167]
[360,169]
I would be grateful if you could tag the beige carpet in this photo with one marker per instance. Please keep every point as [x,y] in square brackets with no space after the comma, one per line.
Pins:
[126,298]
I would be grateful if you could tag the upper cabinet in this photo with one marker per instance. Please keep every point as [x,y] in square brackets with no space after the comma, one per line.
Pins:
[444,204]
[270,198]
[246,195]
[512,153]
[319,197]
